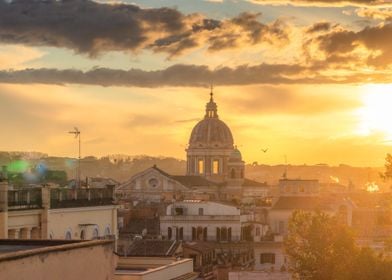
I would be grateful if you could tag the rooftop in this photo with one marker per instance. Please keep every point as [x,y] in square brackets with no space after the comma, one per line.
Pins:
[300,203]
[153,248]
[14,249]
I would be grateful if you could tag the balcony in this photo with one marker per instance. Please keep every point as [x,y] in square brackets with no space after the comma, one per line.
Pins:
[68,198]
[24,199]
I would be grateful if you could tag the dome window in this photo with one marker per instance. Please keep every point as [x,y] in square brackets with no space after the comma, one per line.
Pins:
[215,166]
[201,166]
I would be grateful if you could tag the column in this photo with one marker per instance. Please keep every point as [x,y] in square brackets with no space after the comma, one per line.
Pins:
[35,233]
[3,209]
[44,216]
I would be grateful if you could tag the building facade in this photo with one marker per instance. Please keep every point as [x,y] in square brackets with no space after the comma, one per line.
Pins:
[197,220]
[57,213]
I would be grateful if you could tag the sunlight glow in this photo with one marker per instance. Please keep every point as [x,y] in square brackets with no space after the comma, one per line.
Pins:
[372,187]
[376,114]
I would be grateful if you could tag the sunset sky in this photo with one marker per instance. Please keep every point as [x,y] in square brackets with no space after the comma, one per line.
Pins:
[305,78]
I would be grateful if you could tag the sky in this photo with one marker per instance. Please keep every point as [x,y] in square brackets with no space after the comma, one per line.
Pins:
[308,79]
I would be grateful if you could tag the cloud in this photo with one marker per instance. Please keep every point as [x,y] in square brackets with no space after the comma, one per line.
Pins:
[192,76]
[91,28]
[371,46]
[329,3]
[319,27]
[378,14]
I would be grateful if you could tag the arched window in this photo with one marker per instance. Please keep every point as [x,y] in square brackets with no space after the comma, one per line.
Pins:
[232,174]
[68,235]
[201,166]
[218,234]
[169,233]
[82,235]
[95,233]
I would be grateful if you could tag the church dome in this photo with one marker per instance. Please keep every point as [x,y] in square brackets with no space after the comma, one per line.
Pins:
[211,132]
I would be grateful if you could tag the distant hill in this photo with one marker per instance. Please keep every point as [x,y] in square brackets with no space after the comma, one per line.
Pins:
[122,167]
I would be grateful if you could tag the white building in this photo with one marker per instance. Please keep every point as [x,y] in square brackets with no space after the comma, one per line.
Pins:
[196,220]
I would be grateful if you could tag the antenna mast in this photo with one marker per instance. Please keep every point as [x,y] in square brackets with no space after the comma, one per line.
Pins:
[76,132]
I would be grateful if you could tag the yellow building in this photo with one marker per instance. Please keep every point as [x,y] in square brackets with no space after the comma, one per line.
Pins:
[57,213]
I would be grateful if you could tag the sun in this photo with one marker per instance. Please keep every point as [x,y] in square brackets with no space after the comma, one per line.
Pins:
[376,113]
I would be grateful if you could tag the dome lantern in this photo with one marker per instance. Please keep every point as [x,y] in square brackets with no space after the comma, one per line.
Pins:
[211,107]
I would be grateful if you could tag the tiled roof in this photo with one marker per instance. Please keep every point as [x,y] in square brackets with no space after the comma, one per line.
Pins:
[300,203]
[188,181]
[194,181]
[157,248]
[251,183]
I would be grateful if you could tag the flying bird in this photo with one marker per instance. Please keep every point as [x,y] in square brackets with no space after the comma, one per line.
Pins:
[264,150]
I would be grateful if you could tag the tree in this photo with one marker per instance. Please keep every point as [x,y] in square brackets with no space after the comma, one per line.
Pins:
[388,168]
[321,248]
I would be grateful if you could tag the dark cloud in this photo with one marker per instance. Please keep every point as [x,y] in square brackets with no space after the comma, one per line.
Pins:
[189,75]
[319,27]
[89,27]
[346,44]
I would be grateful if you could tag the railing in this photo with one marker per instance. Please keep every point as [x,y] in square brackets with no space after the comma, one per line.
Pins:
[68,198]
[24,199]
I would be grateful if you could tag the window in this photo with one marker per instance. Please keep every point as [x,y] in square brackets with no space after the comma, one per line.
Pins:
[95,233]
[181,234]
[205,234]
[193,233]
[224,234]
[68,235]
[215,166]
[201,211]
[153,182]
[201,166]
[179,211]
[267,258]
[232,174]
[82,235]
[257,231]
[218,234]
[169,233]
[199,233]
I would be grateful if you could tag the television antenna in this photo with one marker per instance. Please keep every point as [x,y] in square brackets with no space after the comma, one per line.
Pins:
[76,132]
